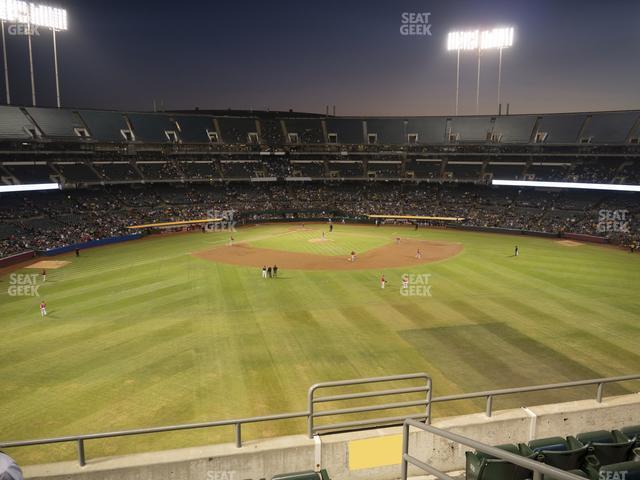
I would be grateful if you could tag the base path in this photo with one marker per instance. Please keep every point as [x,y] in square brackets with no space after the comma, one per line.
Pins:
[48,264]
[389,256]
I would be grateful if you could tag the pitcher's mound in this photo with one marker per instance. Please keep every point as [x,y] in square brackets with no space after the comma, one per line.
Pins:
[388,256]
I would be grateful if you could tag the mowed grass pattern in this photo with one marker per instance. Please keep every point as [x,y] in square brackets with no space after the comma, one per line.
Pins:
[145,334]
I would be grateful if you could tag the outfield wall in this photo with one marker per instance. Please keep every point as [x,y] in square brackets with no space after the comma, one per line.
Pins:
[366,455]
[91,244]
[17,258]
[581,237]
[509,231]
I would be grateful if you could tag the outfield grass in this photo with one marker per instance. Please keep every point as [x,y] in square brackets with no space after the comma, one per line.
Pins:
[144,334]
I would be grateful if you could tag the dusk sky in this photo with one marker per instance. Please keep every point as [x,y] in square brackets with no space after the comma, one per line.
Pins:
[569,55]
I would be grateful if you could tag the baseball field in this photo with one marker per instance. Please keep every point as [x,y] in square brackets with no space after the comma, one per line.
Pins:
[183,328]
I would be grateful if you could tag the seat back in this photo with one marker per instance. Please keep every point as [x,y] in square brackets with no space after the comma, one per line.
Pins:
[608,447]
[632,431]
[555,444]
[610,453]
[480,466]
[598,436]
[565,460]
[490,469]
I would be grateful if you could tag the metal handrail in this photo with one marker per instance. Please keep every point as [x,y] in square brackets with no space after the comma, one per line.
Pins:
[538,468]
[489,394]
[312,400]
[238,422]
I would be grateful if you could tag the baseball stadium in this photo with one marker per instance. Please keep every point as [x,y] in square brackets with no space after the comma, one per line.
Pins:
[241,294]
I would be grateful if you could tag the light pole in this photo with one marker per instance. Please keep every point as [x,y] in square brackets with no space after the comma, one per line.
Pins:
[6,65]
[32,15]
[458,82]
[55,66]
[499,77]
[478,84]
[33,80]
[476,40]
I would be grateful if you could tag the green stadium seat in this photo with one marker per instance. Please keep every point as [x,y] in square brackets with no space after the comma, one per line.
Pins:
[480,466]
[554,444]
[607,447]
[632,432]
[559,453]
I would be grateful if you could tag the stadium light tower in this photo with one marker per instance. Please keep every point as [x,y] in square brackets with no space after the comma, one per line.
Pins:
[6,65]
[32,16]
[478,41]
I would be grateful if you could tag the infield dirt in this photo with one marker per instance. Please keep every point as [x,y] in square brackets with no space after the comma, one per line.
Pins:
[388,256]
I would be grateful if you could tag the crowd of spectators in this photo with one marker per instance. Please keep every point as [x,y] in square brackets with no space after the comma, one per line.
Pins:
[46,220]
[110,168]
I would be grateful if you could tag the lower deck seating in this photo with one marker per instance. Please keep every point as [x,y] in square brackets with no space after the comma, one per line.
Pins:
[597,455]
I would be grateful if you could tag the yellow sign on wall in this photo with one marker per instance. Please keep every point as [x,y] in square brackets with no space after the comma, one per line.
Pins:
[375,452]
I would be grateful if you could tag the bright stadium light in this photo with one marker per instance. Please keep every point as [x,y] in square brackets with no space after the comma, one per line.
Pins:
[32,15]
[463,40]
[480,40]
[573,185]
[17,11]
[498,38]
[29,187]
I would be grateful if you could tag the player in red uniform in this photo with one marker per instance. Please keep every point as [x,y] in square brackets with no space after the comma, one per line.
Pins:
[382,281]
[43,309]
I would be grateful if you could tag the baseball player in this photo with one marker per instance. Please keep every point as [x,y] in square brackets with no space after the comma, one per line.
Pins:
[43,309]
[418,254]
[353,256]
[44,275]
[405,281]
[516,252]
[382,281]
